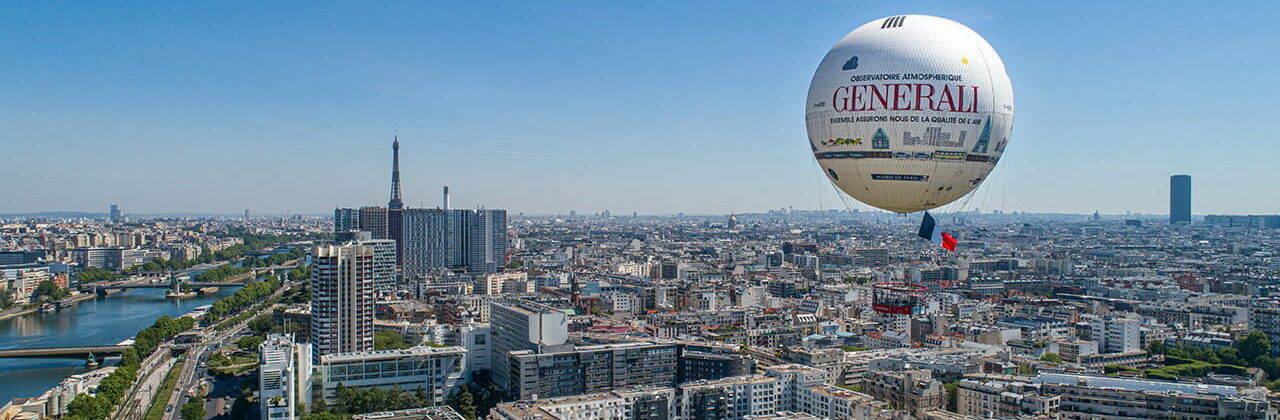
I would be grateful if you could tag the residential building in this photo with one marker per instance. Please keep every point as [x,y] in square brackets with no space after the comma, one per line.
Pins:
[342,298]
[912,390]
[284,377]
[1003,398]
[1116,335]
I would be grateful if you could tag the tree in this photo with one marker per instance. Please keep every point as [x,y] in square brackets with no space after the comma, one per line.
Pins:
[1269,365]
[193,409]
[263,324]
[1051,358]
[1158,347]
[94,274]
[250,342]
[389,340]
[325,415]
[464,402]
[360,401]
[1230,356]
[1253,346]
[952,389]
[129,357]
[47,290]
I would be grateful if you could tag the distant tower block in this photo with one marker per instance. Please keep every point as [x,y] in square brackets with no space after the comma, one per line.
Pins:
[1180,199]
[898,298]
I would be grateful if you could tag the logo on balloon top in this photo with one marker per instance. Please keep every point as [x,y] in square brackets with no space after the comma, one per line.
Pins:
[880,140]
[851,64]
[843,141]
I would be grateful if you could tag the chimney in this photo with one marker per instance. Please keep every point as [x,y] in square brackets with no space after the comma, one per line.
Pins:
[446,197]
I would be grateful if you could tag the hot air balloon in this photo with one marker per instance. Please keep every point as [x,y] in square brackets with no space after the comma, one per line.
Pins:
[909,113]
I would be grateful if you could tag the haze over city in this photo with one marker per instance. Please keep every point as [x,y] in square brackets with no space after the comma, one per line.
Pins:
[543,108]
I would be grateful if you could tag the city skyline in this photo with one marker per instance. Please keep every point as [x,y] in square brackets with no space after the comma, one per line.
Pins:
[606,210]
[289,117]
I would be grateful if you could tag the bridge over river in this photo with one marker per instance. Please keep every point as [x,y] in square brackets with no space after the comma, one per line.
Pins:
[78,352]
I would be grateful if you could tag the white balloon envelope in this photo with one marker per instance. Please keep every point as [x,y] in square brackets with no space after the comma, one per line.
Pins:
[909,113]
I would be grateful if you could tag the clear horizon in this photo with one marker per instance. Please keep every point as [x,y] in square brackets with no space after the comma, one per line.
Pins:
[542,109]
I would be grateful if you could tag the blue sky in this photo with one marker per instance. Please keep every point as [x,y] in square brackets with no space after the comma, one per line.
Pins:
[543,107]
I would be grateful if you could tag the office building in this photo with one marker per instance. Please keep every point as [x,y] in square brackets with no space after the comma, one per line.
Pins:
[474,241]
[115,216]
[523,325]
[342,298]
[374,220]
[115,258]
[588,369]
[474,337]
[488,244]
[1248,221]
[436,370]
[424,242]
[457,250]
[346,219]
[1180,199]
[21,257]
[699,366]
[284,377]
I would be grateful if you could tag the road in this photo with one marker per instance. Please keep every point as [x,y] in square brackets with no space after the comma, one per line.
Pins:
[195,370]
[155,367]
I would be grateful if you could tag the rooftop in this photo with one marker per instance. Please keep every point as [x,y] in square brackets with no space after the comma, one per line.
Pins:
[1135,384]
[391,354]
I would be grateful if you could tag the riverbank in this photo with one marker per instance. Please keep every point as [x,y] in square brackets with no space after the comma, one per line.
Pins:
[104,321]
[13,312]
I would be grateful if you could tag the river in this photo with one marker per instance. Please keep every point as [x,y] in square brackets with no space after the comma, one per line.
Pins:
[101,321]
